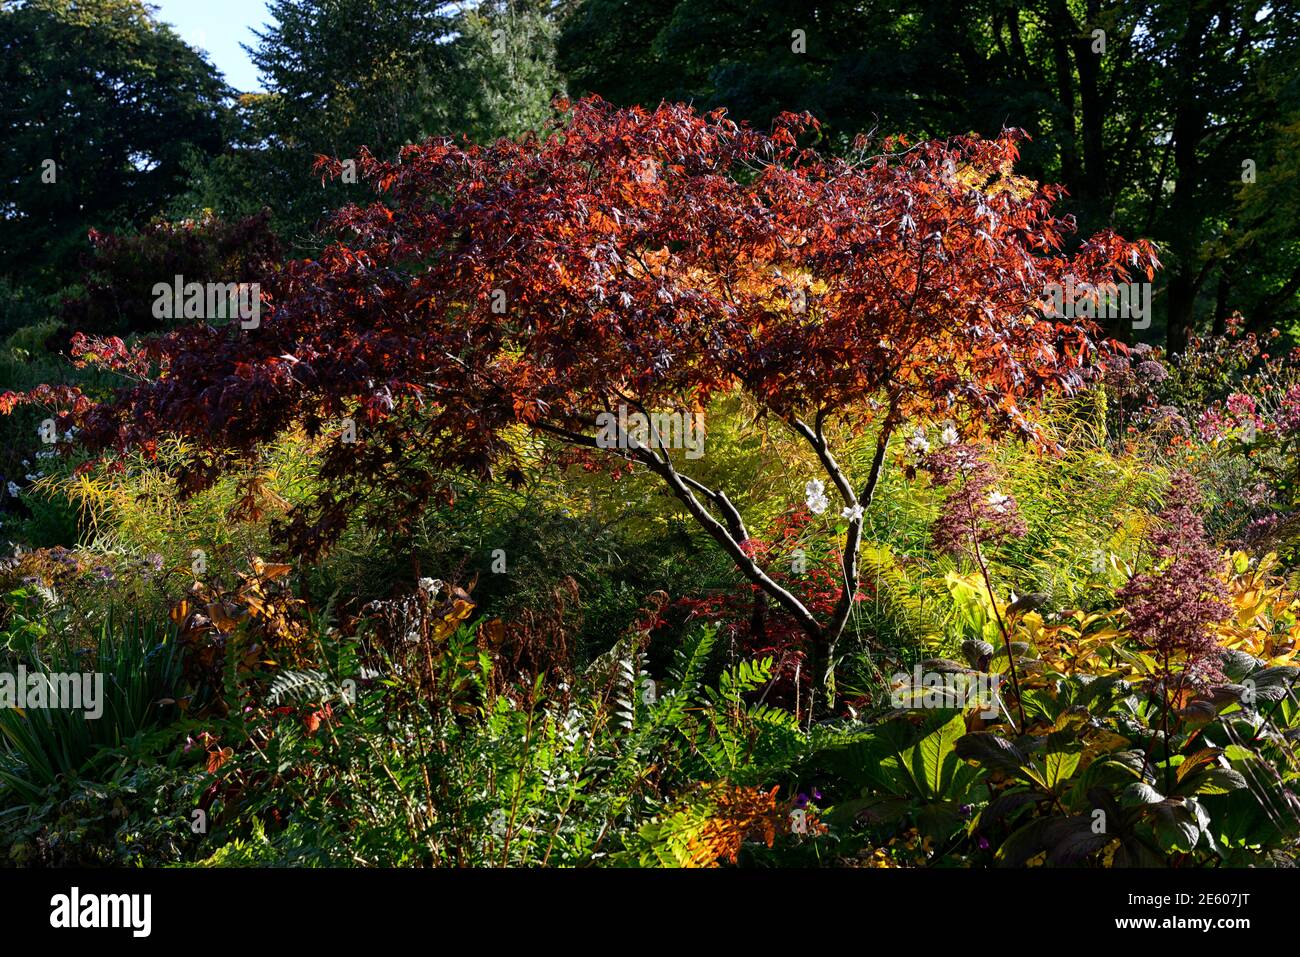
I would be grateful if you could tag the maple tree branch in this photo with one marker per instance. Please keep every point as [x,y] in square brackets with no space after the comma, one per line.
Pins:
[739,535]
[817,440]
[664,469]
[853,537]
[877,462]
[577,438]
[735,524]
[730,537]
[857,503]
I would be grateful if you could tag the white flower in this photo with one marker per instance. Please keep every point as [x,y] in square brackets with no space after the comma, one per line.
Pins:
[949,436]
[998,501]
[14,490]
[430,585]
[815,496]
[918,443]
[851,513]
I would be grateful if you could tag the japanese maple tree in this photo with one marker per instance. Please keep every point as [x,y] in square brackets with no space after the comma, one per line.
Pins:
[651,259]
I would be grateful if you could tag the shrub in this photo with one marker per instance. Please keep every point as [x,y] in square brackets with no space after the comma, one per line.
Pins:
[447,318]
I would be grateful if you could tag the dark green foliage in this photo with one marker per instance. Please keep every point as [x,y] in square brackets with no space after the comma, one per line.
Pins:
[140,667]
[117,101]
[372,74]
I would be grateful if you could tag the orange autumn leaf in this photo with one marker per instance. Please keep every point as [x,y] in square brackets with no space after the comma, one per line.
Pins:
[217,757]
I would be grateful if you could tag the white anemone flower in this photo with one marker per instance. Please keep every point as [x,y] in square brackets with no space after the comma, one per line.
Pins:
[815,496]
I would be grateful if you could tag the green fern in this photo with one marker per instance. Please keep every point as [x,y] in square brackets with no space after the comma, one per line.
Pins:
[303,686]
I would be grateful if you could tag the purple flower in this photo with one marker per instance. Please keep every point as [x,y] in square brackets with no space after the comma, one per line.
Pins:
[975,511]
[1152,372]
[1288,417]
[1168,418]
[1172,606]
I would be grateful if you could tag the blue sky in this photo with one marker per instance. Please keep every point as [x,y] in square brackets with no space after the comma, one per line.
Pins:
[218,27]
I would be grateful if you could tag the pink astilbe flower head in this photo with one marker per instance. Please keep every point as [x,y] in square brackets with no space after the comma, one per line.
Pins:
[1172,606]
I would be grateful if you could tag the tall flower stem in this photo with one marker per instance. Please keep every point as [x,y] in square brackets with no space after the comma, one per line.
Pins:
[1002,627]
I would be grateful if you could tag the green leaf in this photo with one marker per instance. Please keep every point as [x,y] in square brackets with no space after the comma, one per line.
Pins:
[1177,825]
[989,750]
[1059,766]
[933,760]
[1219,781]
[1139,792]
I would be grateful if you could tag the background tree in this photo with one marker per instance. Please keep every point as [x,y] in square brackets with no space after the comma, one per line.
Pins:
[505,75]
[344,74]
[338,74]
[116,101]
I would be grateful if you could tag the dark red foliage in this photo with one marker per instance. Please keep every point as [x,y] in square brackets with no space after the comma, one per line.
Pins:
[121,270]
